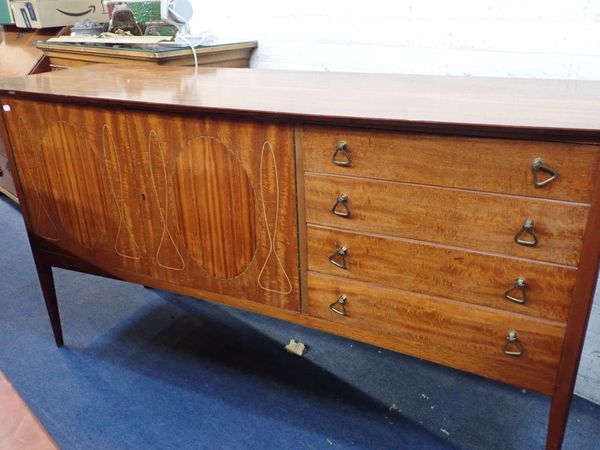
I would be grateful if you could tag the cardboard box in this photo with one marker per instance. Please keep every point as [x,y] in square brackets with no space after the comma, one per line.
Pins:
[56,13]
[6,17]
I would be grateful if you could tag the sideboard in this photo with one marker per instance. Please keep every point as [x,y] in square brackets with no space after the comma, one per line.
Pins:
[452,219]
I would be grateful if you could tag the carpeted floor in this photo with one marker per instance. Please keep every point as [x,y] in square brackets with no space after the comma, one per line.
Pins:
[145,369]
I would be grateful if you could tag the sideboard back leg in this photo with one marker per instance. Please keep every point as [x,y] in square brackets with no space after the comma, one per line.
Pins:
[44,272]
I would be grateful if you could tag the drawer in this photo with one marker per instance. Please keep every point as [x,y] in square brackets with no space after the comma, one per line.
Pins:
[493,165]
[474,220]
[462,336]
[6,180]
[443,272]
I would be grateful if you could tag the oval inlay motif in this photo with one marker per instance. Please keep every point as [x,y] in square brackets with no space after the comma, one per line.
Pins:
[73,175]
[215,204]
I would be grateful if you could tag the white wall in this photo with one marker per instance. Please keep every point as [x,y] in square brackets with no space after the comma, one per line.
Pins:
[513,38]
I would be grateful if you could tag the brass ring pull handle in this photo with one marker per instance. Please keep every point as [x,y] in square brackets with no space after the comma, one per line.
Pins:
[513,347]
[341,156]
[520,285]
[527,229]
[341,202]
[338,259]
[538,166]
[338,306]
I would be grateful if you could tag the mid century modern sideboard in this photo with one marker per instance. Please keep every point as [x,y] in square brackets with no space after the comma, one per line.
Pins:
[452,219]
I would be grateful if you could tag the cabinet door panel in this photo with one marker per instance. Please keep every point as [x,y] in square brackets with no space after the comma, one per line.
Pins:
[75,170]
[220,204]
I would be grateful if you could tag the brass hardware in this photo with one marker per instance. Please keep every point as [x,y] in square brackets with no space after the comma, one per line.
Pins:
[520,285]
[340,254]
[341,301]
[527,228]
[342,201]
[341,149]
[537,166]
[512,341]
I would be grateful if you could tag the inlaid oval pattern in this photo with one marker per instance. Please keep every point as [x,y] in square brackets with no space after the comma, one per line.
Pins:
[214,198]
[74,171]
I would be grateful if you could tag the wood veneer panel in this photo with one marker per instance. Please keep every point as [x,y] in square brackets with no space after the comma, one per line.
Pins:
[219,204]
[461,336]
[468,277]
[492,165]
[75,170]
[447,216]
[510,107]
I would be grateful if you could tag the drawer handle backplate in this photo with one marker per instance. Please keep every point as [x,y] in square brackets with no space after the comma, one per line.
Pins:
[513,347]
[341,155]
[338,259]
[520,285]
[341,207]
[538,167]
[339,306]
[527,229]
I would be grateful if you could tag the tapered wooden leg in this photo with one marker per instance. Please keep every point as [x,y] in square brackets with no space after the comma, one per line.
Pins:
[44,272]
[557,423]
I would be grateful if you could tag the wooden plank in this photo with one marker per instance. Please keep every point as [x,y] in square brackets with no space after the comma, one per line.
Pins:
[467,105]
[19,428]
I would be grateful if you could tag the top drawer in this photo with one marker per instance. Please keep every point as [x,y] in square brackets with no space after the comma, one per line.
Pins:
[492,165]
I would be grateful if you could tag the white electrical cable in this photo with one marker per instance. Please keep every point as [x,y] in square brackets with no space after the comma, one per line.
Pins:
[193,53]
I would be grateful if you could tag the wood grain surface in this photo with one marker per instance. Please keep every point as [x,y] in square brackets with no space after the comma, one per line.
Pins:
[458,335]
[465,219]
[469,277]
[19,428]
[218,200]
[509,107]
[492,165]
[191,200]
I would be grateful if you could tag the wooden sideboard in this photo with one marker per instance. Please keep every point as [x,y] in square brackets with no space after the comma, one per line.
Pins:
[452,219]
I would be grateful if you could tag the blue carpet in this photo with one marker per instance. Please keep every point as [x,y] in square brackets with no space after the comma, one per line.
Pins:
[145,369]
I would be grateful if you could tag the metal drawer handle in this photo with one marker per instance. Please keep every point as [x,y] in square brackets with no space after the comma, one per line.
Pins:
[338,259]
[341,149]
[520,285]
[341,202]
[512,342]
[339,306]
[537,167]
[527,229]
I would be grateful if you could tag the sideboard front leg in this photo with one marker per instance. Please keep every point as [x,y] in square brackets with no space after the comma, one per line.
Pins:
[557,423]
[44,272]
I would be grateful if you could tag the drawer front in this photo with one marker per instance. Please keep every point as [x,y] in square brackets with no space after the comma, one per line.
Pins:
[442,272]
[492,165]
[461,336]
[466,219]
[6,180]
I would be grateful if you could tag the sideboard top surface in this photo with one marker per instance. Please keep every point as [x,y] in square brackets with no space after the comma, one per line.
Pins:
[416,102]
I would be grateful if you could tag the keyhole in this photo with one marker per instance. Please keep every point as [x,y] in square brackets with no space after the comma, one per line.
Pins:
[143,196]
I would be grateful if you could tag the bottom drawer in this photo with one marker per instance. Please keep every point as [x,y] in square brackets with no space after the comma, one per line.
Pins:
[6,181]
[465,337]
